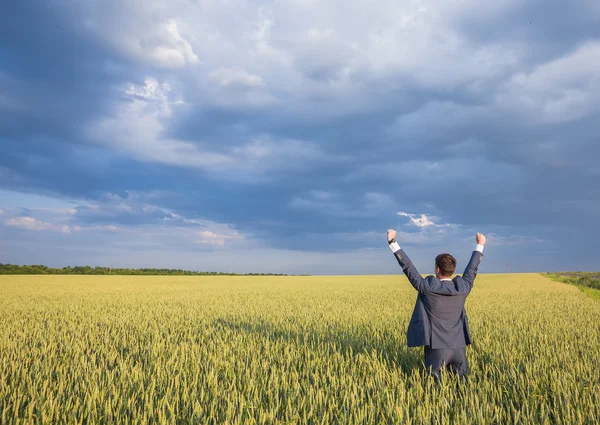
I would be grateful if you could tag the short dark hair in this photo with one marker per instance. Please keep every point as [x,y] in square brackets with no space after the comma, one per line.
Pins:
[446,263]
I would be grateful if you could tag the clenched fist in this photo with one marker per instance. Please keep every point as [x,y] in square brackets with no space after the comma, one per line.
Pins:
[480,237]
[391,234]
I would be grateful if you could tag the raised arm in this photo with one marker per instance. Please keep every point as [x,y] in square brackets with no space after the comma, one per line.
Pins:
[408,268]
[471,270]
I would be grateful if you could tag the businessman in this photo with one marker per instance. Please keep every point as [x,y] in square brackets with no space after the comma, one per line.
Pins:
[439,321]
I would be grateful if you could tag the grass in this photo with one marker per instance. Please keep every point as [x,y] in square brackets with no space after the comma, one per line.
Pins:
[592,293]
[287,350]
[589,283]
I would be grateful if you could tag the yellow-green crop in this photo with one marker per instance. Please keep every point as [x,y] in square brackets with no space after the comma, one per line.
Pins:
[289,350]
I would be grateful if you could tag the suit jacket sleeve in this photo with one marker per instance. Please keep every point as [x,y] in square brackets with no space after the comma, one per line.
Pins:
[410,271]
[471,270]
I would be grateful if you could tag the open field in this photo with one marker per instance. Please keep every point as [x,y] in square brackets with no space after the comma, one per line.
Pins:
[310,350]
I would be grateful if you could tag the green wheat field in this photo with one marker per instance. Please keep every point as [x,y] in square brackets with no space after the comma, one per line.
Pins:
[287,350]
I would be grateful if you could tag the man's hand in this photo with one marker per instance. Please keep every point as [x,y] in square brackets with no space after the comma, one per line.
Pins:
[480,237]
[391,234]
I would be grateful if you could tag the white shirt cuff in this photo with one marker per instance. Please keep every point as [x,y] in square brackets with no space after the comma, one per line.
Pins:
[394,247]
[479,248]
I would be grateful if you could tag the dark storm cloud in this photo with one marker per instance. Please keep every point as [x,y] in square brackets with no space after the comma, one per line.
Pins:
[306,135]
[550,27]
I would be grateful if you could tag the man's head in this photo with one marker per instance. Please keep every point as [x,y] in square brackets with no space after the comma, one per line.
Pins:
[445,264]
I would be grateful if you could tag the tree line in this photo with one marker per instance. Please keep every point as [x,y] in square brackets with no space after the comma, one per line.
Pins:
[87,270]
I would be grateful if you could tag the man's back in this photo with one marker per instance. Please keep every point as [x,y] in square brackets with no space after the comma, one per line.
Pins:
[445,305]
[439,321]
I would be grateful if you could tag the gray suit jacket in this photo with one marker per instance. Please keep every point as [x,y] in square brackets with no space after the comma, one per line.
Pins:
[439,319]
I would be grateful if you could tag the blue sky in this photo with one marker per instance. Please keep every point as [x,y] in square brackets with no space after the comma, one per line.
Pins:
[288,136]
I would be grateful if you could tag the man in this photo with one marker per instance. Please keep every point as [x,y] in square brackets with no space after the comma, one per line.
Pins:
[439,321]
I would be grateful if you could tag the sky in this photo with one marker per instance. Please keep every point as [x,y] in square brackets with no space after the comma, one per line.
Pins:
[288,136]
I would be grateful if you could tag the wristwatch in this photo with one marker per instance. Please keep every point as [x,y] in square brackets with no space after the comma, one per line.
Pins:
[392,241]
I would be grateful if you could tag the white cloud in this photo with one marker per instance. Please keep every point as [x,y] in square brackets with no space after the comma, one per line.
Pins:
[231,77]
[55,211]
[282,60]
[152,91]
[135,214]
[174,51]
[320,66]
[139,124]
[181,234]
[218,239]
[562,90]
[420,221]
[302,56]
[147,32]
[88,228]
[132,218]
[31,223]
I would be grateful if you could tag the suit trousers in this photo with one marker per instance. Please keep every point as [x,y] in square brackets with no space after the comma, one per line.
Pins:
[455,360]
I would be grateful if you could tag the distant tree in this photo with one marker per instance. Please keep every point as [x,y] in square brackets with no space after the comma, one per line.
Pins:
[88,270]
